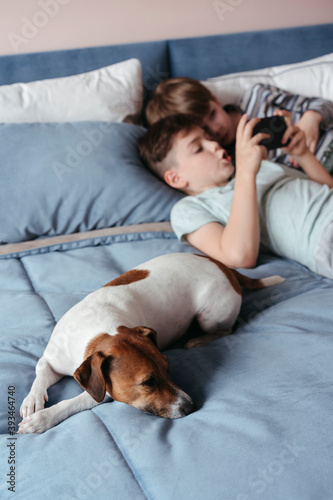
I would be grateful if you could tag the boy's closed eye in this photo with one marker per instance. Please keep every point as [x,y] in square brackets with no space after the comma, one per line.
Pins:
[195,146]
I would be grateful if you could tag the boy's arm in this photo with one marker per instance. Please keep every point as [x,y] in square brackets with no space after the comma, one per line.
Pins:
[310,124]
[314,169]
[262,100]
[310,113]
[237,244]
[302,154]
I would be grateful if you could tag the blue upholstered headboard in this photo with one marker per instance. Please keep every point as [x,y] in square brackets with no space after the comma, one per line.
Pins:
[217,55]
[201,57]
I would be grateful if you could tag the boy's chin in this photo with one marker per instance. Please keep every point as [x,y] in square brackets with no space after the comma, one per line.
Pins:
[230,166]
[232,172]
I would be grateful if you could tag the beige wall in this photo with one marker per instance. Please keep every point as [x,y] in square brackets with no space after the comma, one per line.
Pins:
[40,25]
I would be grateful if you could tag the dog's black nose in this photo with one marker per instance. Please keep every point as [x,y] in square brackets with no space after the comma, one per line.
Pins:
[188,407]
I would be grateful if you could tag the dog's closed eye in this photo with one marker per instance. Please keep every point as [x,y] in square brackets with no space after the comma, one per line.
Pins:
[151,382]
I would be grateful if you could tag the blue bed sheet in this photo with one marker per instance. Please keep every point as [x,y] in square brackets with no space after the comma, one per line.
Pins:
[263,425]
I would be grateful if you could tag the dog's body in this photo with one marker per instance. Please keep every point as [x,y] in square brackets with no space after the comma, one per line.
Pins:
[100,343]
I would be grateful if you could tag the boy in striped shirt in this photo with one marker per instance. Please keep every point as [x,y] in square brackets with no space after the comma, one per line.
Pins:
[311,114]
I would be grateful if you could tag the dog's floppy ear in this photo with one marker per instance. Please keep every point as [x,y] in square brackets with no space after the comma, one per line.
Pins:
[90,376]
[148,332]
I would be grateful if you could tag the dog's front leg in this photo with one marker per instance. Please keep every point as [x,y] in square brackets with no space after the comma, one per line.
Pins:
[49,417]
[35,400]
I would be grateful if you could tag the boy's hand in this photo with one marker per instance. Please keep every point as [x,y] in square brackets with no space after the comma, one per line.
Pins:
[302,154]
[297,146]
[310,123]
[248,152]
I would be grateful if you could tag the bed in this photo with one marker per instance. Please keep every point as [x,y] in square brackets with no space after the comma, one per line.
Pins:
[77,209]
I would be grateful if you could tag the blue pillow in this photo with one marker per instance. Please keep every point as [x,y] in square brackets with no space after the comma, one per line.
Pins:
[61,178]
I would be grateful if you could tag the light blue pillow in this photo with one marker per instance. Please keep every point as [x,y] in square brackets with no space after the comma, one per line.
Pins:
[61,178]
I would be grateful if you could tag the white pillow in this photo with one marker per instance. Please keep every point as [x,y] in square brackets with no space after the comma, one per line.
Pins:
[113,93]
[313,78]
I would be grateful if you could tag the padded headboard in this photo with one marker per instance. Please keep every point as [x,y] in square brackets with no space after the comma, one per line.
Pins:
[211,56]
[200,57]
[42,65]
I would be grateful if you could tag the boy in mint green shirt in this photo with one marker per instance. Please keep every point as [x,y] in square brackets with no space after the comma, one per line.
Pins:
[228,213]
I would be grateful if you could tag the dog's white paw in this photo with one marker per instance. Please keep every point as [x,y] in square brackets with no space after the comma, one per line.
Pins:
[37,422]
[33,403]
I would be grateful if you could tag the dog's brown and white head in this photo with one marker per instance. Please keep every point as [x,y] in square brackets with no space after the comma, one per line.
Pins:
[132,370]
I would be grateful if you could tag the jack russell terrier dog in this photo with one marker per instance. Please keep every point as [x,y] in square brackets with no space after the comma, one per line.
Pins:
[100,341]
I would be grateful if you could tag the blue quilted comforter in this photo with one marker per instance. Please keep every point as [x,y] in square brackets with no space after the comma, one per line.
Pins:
[263,425]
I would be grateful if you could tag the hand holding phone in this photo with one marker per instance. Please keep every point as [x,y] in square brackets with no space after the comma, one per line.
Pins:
[275,126]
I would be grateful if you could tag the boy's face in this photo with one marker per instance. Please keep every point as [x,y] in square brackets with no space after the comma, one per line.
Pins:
[200,163]
[219,124]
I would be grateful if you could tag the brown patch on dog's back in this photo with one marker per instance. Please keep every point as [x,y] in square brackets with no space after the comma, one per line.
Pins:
[129,277]
[228,272]
[237,280]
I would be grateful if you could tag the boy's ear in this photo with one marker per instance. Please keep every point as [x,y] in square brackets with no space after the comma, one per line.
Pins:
[175,180]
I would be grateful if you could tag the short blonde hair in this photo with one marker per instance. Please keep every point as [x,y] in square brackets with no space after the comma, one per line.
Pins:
[179,95]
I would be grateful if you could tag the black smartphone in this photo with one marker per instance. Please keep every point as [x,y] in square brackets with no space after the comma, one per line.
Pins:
[275,126]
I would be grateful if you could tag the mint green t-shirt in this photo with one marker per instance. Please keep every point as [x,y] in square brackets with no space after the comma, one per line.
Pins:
[294,211]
